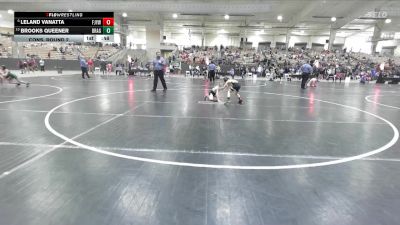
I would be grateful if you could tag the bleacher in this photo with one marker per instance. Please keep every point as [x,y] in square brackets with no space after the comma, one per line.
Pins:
[60,51]
[87,51]
[106,52]
[5,47]
[42,50]
[139,54]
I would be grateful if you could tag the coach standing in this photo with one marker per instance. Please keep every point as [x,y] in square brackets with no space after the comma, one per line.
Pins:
[84,67]
[158,66]
[306,71]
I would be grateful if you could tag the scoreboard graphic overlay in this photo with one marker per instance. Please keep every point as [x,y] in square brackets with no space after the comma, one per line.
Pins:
[64,26]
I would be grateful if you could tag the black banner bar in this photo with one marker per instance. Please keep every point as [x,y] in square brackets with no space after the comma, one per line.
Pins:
[58,22]
[63,15]
[57,30]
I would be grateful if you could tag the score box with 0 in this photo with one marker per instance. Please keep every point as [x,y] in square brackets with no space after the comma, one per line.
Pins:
[108,22]
[108,30]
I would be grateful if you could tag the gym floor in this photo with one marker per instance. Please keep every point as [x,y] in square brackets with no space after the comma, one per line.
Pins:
[108,151]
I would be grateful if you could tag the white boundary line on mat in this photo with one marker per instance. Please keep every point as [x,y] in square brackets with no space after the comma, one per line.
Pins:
[367,98]
[42,96]
[198,165]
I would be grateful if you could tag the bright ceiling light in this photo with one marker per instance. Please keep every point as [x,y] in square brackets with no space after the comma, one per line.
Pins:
[388,21]
[70,10]
[124,14]
[185,31]
[333,19]
[222,31]
[226,17]
[10,11]
[260,32]
[280,18]
[1,16]
[174,15]
[302,31]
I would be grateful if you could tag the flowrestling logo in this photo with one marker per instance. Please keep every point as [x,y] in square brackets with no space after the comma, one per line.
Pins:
[377,15]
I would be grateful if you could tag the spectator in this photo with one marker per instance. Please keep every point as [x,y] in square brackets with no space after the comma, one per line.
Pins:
[109,68]
[118,69]
[21,66]
[91,66]
[103,66]
[41,64]
[232,72]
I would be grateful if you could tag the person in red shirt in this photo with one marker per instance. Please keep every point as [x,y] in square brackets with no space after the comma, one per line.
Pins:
[109,68]
[91,65]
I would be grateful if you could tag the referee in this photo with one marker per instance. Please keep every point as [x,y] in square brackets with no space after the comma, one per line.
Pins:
[306,71]
[211,71]
[158,66]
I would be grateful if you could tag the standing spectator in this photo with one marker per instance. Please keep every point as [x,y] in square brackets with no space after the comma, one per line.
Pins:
[41,64]
[259,70]
[243,71]
[91,66]
[109,68]
[218,70]
[84,67]
[103,66]
[191,70]
[49,54]
[31,65]
[211,71]
[21,66]
[118,69]
[253,70]
[306,70]
[232,72]
[25,63]
[158,66]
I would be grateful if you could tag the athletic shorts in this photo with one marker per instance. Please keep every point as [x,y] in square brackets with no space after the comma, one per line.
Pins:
[212,93]
[235,87]
[10,76]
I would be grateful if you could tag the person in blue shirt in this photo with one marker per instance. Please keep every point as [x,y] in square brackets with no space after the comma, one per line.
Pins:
[158,66]
[232,73]
[84,67]
[211,71]
[306,71]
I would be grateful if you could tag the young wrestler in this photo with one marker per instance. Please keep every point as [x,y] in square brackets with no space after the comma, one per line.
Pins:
[312,82]
[10,76]
[232,85]
[213,94]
